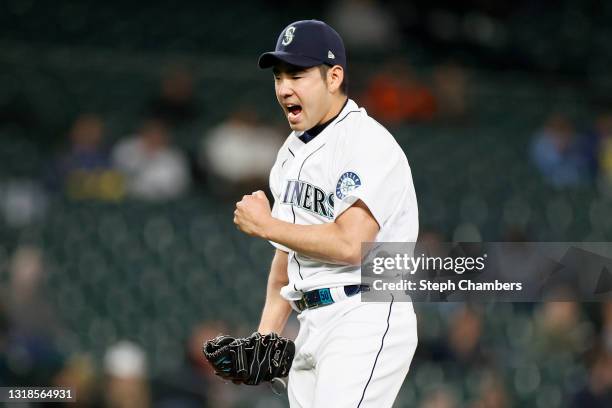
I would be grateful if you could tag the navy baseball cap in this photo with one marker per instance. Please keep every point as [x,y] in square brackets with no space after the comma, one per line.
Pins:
[305,44]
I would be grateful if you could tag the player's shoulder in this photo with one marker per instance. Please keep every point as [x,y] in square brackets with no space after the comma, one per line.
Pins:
[356,128]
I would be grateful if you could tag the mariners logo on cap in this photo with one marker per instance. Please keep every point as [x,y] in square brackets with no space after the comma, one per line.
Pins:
[348,182]
[288,35]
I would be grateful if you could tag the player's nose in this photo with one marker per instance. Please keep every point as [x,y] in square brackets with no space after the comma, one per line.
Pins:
[283,88]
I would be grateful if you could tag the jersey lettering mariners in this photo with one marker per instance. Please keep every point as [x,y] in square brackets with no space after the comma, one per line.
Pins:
[353,158]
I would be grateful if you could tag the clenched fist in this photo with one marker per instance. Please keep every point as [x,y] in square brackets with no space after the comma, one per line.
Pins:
[253,214]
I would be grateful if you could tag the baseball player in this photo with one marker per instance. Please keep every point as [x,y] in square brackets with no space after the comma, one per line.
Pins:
[340,179]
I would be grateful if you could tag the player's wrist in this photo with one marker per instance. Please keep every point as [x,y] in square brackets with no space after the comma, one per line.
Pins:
[268,226]
[264,330]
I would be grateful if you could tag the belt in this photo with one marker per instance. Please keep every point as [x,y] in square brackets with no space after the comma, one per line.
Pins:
[322,297]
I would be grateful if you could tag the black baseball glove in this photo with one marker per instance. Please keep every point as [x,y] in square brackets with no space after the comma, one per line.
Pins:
[250,360]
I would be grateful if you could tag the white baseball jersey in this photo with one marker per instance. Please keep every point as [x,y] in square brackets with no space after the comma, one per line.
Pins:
[353,158]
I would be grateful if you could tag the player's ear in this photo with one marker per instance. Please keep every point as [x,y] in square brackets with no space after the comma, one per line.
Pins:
[335,75]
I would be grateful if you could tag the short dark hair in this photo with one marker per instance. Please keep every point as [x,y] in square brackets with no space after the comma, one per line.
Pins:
[343,86]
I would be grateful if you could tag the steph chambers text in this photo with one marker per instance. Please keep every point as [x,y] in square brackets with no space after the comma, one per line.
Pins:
[447,286]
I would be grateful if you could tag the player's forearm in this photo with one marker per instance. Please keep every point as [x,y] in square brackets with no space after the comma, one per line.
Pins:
[328,242]
[276,310]
[335,242]
[275,313]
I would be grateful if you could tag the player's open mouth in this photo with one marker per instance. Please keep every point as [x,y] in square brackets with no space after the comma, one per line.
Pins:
[294,112]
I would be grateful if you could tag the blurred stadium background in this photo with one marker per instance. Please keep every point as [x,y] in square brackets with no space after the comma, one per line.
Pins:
[128,129]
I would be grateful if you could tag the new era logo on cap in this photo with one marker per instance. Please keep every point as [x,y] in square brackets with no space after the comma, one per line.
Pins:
[305,44]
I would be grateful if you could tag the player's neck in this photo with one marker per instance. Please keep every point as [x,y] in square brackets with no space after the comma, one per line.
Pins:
[314,131]
[337,105]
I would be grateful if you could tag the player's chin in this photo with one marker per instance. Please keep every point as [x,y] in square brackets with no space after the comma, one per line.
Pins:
[298,127]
